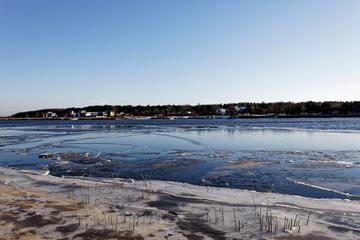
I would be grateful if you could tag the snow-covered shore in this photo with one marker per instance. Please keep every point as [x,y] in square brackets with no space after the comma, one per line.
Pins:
[37,206]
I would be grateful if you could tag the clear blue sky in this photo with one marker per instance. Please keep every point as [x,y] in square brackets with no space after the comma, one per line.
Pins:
[64,53]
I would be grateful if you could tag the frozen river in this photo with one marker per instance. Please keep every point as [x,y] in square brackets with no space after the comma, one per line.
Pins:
[308,157]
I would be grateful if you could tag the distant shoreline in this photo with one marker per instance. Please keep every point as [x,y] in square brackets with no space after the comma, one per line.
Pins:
[180,117]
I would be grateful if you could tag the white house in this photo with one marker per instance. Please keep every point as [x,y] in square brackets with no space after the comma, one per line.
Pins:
[91,114]
[51,114]
[240,109]
[221,111]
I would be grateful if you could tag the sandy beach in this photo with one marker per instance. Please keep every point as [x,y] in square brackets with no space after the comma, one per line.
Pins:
[35,206]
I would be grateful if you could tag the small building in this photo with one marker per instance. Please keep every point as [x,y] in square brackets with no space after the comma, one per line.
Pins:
[50,115]
[83,113]
[74,114]
[221,111]
[91,114]
[240,109]
[102,114]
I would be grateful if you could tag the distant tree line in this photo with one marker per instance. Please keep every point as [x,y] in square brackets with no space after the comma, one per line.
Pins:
[286,108]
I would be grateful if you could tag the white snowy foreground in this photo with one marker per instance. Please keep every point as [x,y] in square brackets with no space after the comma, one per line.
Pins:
[34,206]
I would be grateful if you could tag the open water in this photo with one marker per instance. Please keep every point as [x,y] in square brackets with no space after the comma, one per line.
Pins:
[314,157]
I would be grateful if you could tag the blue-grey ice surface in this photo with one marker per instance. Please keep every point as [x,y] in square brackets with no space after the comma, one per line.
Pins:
[308,157]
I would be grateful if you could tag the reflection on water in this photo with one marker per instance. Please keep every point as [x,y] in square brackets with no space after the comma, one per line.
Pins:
[308,162]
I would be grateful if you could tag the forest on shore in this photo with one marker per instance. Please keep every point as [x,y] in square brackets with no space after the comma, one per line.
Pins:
[242,108]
